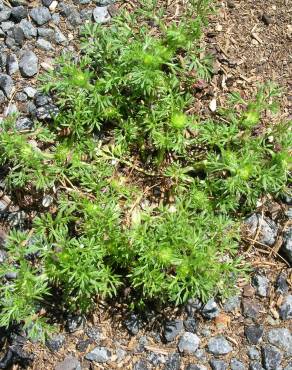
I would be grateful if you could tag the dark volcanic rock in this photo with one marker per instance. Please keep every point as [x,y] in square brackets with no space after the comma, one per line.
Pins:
[172,329]
[210,310]
[254,333]
[6,84]
[55,343]
[286,248]
[286,308]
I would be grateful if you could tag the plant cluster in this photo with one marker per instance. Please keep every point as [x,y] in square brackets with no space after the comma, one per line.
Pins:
[124,109]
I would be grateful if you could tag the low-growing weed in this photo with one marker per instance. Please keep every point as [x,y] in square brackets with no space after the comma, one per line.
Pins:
[124,106]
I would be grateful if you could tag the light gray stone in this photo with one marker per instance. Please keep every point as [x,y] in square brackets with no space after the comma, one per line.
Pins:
[30,91]
[101,14]
[28,64]
[271,358]
[267,228]
[40,15]
[210,310]
[99,354]
[219,346]
[281,338]
[261,284]
[28,29]
[286,308]
[44,44]
[189,343]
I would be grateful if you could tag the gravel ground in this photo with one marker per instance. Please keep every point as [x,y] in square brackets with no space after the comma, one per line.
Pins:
[252,330]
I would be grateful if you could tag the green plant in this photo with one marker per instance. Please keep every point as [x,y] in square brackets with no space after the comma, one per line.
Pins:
[135,81]
[124,128]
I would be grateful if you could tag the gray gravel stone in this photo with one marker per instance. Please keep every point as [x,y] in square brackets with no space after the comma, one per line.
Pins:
[254,333]
[42,99]
[40,15]
[6,84]
[10,109]
[193,306]
[30,91]
[11,275]
[70,363]
[200,354]
[196,367]
[286,248]
[23,123]
[93,332]
[18,13]
[86,14]
[105,2]
[232,303]
[47,3]
[261,284]
[2,98]
[11,64]
[133,323]
[281,284]
[6,26]
[99,354]
[250,308]
[3,254]
[253,353]
[59,37]
[191,325]
[271,357]
[268,228]
[74,323]
[210,310]
[286,308]
[289,366]
[218,364]
[172,329]
[3,60]
[21,96]
[173,362]
[281,338]
[46,33]
[31,109]
[189,343]
[141,365]
[5,15]
[121,354]
[55,343]
[28,64]
[155,358]
[219,346]
[44,44]
[70,13]
[236,364]
[255,366]
[101,14]
[28,29]
[18,35]
[56,18]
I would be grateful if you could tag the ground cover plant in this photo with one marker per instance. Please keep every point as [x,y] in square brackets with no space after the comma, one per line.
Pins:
[124,128]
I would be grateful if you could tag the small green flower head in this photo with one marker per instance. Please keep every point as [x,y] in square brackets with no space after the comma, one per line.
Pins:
[179,120]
